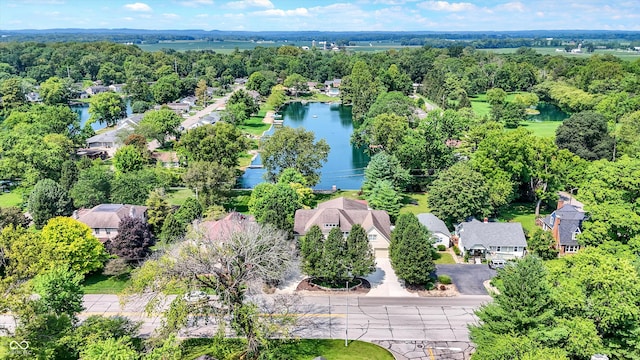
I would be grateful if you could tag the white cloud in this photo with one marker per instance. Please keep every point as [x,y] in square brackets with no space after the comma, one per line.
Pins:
[243,4]
[196,3]
[138,7]
[512,6]
[446,6]
[540,14]
[282,13]
[128,18]
[171,16]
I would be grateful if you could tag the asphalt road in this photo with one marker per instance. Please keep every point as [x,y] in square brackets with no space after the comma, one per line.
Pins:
[468,278]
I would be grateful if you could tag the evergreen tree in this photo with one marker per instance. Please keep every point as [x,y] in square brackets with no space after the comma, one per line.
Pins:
[189,211]
[157,211]
[411,251]
[333,267]
[311,248]
[384,197]
[385,167]
[48,200]
[359,254]
[68,174]
[172,229]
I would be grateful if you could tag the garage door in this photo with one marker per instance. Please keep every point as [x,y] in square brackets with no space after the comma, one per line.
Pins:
[382,253]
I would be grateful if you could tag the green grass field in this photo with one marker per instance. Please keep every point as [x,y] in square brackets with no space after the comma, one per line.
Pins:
[303,349]
[102,284]
[254,125]
[415,203]
[445,258]
[178,196]
[541,128]
[13,198]
[523,213]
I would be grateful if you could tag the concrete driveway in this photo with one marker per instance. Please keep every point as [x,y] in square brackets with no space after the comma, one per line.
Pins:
[384,281]
[468,278]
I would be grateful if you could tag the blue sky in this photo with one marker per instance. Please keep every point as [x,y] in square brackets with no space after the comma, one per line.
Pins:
[298,15]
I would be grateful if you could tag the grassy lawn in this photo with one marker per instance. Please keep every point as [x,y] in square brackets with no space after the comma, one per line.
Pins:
[244,160]
[415,203]
[13,198]
[317,96]
[304,349]
[239,202]
[102,284]
[445,258]
[542,128]
[178,196]
[523,213]
[481,107]
[254,125]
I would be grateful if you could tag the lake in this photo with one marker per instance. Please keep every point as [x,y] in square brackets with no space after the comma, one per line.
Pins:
[548,112]
[332,122]
[83,112]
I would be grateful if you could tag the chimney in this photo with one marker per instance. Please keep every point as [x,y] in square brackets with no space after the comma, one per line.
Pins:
[486,220]
[132,211]
[556,230]
[560,203]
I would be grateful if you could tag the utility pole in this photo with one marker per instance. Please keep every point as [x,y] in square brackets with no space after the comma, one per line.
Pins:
[346,329]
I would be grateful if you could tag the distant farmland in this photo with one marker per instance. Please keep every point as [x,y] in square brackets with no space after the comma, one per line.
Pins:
[227,47]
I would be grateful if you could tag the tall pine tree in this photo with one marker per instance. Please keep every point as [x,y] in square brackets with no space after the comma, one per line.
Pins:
[311,249]
[412,251]
[333,267]
[359,254]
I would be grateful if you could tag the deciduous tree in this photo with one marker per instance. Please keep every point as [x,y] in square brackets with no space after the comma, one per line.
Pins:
[107,108]
[133,241]
[586,134]
[211,180]
[221,143]
[297,149]
[129,158]
[161,124]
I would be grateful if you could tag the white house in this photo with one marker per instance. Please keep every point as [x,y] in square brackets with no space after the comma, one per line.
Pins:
[343,213]
[491,240]
[437,227]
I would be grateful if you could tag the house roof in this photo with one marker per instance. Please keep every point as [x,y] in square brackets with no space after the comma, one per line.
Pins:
[165,157]
[345,213]
[571,217]
[491,234]
[108,216]
[433,223]
[220,229]
[107,136]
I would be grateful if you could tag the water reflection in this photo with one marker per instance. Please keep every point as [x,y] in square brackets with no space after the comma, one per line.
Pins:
[345,164]
[549,112]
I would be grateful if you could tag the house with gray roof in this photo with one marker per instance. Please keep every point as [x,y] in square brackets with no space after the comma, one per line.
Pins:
[437,227]
[565,223]
[105,140]
[104,219]
[343,213]
[491,240]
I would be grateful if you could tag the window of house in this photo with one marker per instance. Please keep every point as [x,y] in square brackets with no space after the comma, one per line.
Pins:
[492,248]
[108,231]
[507,248]
[97,231]
[571,248]
[373,237]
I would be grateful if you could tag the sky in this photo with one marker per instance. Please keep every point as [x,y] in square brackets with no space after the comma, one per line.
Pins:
[322,15]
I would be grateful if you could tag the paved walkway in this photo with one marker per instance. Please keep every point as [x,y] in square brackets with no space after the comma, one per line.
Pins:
[384,281]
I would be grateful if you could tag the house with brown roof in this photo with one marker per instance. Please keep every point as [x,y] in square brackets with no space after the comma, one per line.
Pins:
[343,213]
[104,219]
[221,229]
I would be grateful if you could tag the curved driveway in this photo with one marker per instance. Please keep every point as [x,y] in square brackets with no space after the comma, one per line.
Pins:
[468,278]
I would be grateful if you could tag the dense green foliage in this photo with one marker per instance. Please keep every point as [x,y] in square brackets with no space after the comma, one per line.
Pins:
[47,201]
[411,251]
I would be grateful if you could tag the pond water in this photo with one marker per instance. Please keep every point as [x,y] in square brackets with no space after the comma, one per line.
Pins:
[83,112]
[548,112]
[345,164]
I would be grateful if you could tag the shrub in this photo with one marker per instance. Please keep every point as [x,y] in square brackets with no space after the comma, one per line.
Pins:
[466,257]
[456,250]
[444,279]
[442,247]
